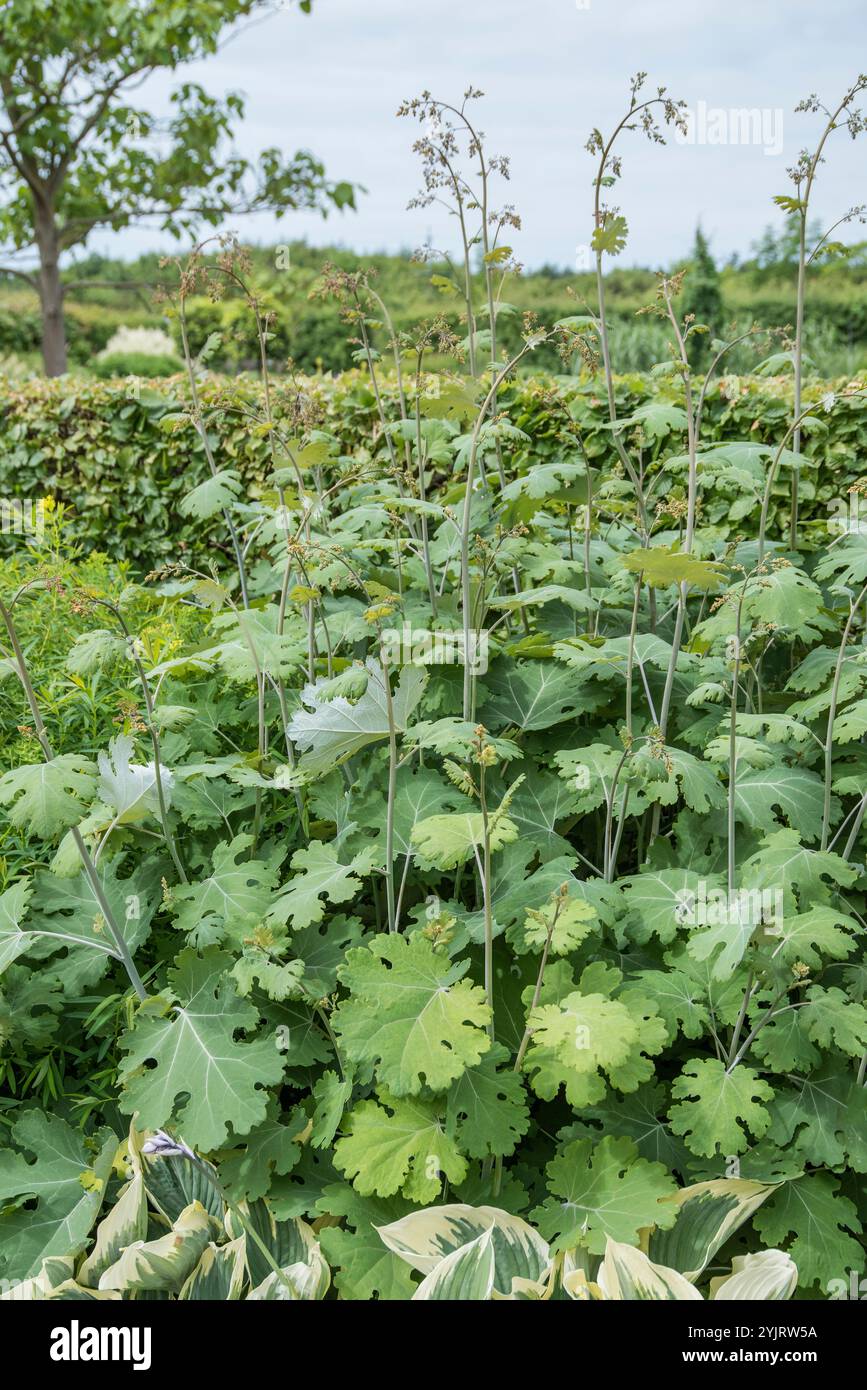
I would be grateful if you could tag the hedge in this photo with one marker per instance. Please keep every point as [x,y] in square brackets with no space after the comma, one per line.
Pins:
[315,336]
[101,449]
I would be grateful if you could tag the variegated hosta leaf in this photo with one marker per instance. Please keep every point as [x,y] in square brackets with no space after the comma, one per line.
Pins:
[527,1290]
[426,1239]
[287,1243]
[55,1271]
[576,1274]
[219,1276]
[466,1275]
[71,1291]
[164,1263]
[125,1224]
[305,1281]
[708,1213]
[579,1288]
[173,1183]
[627,1273]
[767,1275]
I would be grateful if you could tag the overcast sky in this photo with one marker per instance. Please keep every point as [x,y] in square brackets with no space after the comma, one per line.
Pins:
[550,70]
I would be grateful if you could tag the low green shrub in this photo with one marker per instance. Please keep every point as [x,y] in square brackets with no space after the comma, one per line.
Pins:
[116,364]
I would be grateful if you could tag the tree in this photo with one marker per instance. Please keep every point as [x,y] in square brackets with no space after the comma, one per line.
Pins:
[778,250]
[702,296]
[76,154]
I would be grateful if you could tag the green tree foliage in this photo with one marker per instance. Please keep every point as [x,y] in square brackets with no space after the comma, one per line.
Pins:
[77,153]
[702,297]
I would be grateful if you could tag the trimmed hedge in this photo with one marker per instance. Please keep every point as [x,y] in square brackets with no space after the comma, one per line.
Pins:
[101,449]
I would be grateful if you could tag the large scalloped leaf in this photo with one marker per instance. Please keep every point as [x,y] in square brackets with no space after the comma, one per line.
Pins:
[411,1013]
[601,1191]
[183,1058]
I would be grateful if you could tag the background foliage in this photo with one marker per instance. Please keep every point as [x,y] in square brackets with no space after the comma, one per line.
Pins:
[444,875]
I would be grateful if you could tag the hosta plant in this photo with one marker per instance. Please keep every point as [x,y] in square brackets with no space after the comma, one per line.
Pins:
[170,1232]
[483,1253]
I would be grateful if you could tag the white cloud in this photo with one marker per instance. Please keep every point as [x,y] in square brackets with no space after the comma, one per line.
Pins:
[550,71]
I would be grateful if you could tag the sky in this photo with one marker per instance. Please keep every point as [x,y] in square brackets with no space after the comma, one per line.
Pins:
[550,70]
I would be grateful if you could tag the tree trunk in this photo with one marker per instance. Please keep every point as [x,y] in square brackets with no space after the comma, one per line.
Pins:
[50,293]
